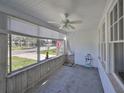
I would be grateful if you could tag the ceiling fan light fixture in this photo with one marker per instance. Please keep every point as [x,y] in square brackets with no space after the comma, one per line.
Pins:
[66,23]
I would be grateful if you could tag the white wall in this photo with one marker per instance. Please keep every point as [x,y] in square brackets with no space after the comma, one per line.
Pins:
[106,83]
[83,42]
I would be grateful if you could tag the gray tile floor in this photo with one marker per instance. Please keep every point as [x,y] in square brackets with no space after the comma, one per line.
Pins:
[77,79]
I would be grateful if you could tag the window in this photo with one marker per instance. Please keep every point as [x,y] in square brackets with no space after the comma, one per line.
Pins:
[111,33]
[115,13]
[121,29]
[26,50]
[104,52]
[117,38]
[51,48]
[115,32]
[22,50]
[120,8]
[103,44]
[103,32]
[111,17]
[116,22]
[119,60]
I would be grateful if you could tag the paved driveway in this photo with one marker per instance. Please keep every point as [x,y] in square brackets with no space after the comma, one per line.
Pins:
[30,53]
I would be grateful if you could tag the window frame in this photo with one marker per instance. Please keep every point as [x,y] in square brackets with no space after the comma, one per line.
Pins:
[112,40]
[38,48]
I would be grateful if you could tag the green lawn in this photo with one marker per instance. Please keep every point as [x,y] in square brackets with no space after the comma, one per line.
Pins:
[20,48]
[51,52]
[17,48]
[18,62]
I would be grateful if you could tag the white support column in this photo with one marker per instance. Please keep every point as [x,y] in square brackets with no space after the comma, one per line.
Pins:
[107,43]
[38,50]
[3,53]
[3,62]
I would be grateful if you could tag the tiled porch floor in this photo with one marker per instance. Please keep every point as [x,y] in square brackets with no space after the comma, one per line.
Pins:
[77,79]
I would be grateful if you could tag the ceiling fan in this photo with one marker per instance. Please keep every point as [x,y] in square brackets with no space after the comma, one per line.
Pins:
[65,22]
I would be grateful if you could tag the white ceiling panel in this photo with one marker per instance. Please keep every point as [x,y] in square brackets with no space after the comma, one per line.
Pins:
[89,11]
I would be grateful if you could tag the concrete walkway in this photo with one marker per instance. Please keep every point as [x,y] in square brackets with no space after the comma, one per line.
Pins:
[77,79]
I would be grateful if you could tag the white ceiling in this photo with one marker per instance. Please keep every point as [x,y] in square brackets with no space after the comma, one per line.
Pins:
[89,11]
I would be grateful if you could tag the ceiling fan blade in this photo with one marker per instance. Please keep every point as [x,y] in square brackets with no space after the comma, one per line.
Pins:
[76,22]
[52,22]
[61,26]
[72,27]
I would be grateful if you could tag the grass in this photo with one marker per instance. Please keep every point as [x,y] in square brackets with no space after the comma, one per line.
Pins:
[18,62]
[17,48]
[51,52]
[20,48]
